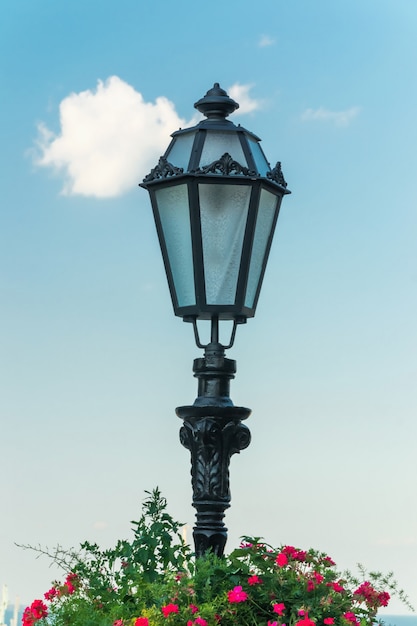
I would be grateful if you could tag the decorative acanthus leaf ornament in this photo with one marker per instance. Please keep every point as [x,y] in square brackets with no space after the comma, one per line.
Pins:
[164,169]
[226,165]
[211,443]
[276,175]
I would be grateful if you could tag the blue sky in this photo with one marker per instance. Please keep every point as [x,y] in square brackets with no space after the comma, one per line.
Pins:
[93,361]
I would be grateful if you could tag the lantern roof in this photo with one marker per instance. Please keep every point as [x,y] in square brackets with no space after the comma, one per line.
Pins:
[216,146]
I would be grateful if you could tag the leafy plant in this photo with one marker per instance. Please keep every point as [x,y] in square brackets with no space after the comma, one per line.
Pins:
[154,580]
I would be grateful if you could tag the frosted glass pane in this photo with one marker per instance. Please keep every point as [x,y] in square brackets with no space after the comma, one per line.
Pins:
[224,211]
[179,154]
[175,218]
[260,160]
[266,213]
[217,143]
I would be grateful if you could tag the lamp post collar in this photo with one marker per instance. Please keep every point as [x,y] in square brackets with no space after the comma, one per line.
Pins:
[216,104]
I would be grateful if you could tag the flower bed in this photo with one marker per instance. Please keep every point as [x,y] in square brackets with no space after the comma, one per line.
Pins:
[154,580]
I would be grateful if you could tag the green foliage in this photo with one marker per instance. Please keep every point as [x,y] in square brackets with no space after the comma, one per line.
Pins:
[154,580]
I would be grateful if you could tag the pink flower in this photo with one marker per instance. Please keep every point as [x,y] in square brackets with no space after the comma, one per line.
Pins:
[141,621]
[237,595]
[254,580]
[118,622]
[200,621]
[310,585]
[271,623]
[166,610]
[194,608]
[328,621]
[279,608]
[319,577]
[328,561]
[301,612]
[281,559]
[336,587]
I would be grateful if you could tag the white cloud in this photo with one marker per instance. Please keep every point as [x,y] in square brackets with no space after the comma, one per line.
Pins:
[240,93]
[266,41]
[340,118]
[110,138]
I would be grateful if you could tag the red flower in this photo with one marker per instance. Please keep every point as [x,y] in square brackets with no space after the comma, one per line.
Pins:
[118,622]
[37,610]
[141,621]
[167,609]
[383,598]
[194,608]
[305,622]
[336,587]
[310,585]
[319,577]
[237,595]
[328,621]
[351,617]
[281,559]
[69,587]
[271,623]
[279,608]
[289,551]
[254,580]
[51,594]
[200,621]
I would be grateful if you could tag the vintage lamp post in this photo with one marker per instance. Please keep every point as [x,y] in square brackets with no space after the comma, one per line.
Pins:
[215,201]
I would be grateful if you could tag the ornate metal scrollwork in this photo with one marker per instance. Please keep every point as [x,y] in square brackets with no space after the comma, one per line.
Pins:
[226,165]
[212,441]
[164,169]
[276,175]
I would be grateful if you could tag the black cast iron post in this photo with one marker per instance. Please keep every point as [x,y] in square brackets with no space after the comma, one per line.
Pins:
[212,432]
[216,201]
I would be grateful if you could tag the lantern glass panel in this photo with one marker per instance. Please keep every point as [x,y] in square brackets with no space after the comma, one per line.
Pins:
[224,212]
[264,222]
[217,144]
[175,221]
[180,150]
[261,163]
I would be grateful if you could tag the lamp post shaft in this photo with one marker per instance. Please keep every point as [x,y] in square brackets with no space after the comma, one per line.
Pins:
[212,432]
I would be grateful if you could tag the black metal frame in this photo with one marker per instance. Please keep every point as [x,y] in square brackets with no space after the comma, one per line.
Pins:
[201,309]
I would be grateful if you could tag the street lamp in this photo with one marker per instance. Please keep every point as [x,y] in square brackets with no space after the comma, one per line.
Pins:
[216,202]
